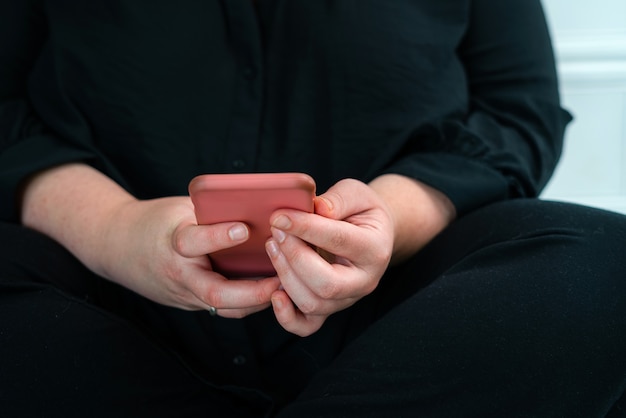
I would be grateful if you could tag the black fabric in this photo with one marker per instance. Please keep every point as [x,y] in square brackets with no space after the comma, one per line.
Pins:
[521,321]
[517,309]
[459,94]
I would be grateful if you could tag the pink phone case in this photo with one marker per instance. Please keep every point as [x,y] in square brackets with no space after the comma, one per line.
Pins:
[249,198]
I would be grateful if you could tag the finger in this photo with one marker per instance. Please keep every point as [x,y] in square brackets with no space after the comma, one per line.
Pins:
[300,293]
[341,238]
[315,287]
[293,320]
[241,313]
[240,294]
[196,240]
[344,199]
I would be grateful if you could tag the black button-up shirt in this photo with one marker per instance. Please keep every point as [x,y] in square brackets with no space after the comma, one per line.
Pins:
[461,95]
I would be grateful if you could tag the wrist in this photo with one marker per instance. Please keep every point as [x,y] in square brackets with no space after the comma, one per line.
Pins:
[419,212]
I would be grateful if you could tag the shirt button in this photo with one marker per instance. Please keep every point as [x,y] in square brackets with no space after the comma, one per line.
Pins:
[238,164]
[249,73]
[239,360]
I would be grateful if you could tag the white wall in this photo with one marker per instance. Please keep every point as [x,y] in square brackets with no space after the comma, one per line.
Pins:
[590,43]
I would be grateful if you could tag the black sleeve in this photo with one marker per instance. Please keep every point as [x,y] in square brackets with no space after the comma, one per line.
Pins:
[508,143]
[26,145]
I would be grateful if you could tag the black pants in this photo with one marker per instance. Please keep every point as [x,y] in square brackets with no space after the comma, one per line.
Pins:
[516,310]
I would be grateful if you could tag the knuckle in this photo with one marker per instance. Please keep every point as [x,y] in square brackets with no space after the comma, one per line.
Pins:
[381,256]
[213,297]
[309,307]
[179,243]
[338,239]
[370,286]
[299,257]
[263,295]
[328,290]
[173,273]
[311,327]
[304,332]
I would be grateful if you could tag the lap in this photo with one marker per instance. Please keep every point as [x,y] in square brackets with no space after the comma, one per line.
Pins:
[62,356]
[515,310]
[70,345]
[495,310]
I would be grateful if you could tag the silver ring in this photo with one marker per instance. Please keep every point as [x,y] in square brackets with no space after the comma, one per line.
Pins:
[212,311]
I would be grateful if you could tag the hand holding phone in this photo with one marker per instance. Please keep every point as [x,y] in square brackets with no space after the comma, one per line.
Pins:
[251,199]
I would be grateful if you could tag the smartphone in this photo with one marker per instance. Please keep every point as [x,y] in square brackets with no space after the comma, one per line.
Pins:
[248,198]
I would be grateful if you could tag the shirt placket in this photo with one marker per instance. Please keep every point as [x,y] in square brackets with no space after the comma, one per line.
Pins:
[239,155]
[240,152]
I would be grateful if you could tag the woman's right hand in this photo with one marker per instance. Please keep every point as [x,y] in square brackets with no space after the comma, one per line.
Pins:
[156,248]
[153,247]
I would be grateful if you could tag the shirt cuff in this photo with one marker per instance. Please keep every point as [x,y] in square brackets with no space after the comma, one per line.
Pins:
[466,182]
[25,158]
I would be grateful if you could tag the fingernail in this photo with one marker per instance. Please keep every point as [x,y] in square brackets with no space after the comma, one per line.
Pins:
[278,235]
[238,233]
[327,202]
[272,249]
[278,304]
[282,222]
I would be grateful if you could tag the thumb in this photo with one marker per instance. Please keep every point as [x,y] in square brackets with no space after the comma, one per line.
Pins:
[345,198]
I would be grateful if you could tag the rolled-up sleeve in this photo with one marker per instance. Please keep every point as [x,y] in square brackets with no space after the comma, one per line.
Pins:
[27,145]
[509,142]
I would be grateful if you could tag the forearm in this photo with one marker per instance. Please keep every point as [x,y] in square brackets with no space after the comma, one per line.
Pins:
[152,247]
[73,204]
[419,212]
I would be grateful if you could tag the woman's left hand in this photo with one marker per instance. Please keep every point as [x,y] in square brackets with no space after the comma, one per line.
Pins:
[328,260]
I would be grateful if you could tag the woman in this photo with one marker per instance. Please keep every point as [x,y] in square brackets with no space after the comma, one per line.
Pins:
[439,287]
